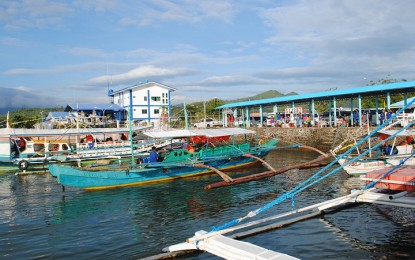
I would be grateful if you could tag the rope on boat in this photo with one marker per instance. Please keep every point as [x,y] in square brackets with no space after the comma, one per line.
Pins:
[316,177]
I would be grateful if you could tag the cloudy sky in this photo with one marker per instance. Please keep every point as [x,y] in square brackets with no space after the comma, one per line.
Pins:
[57,52]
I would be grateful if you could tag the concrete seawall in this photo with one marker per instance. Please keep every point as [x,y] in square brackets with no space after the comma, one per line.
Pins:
[321,138]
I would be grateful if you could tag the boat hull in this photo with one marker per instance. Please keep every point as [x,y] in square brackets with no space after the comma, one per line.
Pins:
[152,173]
[362,167]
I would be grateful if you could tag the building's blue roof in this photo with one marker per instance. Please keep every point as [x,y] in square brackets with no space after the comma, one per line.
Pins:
[87,107]
[402,103]
[340,94]
[112,92]
[60,114]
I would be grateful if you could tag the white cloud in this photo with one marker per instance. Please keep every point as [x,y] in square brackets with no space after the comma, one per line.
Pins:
[223,81]
[140,74]
[20,97]
[148,12]
[19,14]
[91,66]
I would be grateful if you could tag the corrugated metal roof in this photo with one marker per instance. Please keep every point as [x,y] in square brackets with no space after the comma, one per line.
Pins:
[198,132]
[61,114]
[340,93]
[141,85]
[63,132]
[402,103]
[106,107]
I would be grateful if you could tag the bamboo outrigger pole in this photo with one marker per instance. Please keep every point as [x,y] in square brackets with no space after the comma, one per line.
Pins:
[261,160]
[221,174]
[271,173]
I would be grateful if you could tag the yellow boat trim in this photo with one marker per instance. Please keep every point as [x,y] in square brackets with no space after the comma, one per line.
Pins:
[165,179]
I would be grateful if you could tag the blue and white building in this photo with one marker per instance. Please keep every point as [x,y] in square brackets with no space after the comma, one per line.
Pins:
[150,101]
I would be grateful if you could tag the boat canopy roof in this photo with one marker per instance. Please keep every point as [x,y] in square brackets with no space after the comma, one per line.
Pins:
[60,132]
[198,132]
[407,132]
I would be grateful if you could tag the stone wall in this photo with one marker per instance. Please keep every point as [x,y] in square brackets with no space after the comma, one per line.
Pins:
[321,138]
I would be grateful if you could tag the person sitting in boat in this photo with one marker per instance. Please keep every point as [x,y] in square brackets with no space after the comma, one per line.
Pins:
[410,140]
[21,144]
[124,137]
[90,141]
[188,146]
[153,155]
[387,149]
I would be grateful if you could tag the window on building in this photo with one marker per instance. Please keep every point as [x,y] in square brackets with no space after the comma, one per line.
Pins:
[155,98]
[144,111]
[145,98]
[156,111]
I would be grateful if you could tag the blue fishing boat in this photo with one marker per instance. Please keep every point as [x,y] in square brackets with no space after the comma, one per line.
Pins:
[174,163]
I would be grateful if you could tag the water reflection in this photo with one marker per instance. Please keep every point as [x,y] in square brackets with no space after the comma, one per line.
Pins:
[139,221]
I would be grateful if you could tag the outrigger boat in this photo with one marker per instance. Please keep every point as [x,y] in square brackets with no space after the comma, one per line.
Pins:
[389,186]
[36,148]
[391,156]
[175,163]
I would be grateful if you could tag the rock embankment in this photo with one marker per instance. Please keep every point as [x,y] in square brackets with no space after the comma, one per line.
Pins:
[323,139]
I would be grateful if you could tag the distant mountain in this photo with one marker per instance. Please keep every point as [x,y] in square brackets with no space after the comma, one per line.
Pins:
[266,94]
[291,94]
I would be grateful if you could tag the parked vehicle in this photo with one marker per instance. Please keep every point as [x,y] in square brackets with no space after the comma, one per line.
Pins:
[207,123]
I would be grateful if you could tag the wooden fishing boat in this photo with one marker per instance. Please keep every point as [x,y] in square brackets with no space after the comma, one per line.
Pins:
[176,163]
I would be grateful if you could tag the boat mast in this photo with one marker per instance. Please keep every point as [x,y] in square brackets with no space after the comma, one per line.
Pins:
[185,116]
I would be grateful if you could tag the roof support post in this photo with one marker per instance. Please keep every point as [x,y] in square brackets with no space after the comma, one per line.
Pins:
[388,100]
[235,116]
[330,117]
[405,99]
[351,111]
[275,108]
[293,113]
[131,115]
[243,118]
[261,117]
[335,111]
[224,119]
[312,113]
[248,117]
[359,100]
[377,109]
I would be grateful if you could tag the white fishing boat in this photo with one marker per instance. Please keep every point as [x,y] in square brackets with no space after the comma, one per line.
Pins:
[401,146]
[26,148]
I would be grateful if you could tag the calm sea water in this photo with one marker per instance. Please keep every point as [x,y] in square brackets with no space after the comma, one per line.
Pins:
[38,220]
